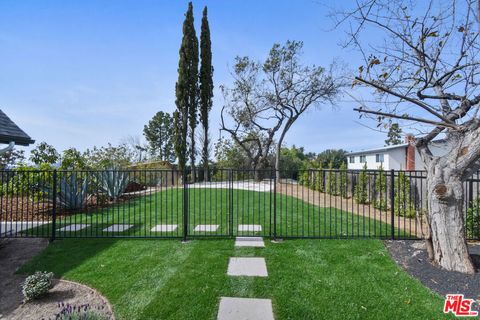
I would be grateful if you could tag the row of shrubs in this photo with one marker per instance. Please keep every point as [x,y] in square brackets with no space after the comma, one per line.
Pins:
[338,183]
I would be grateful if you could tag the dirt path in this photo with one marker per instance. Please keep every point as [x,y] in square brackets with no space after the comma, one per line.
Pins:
[350,205]
[14,253]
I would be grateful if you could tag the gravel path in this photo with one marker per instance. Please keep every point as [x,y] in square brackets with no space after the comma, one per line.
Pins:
[412,256]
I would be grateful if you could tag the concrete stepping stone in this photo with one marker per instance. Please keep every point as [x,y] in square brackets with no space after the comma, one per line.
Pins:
[249,242]
[251,267]
[165,228]
[74,227]
[13,227]
[207,227]
[245,308]
[118,228]
[249,227]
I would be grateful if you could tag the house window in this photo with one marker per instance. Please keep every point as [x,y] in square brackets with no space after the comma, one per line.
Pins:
[363,159]
[379,157]
[352,159]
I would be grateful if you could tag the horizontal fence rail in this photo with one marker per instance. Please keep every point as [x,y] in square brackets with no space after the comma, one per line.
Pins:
[231,202]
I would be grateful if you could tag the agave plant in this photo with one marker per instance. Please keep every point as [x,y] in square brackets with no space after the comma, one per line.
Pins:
[113,182]
[72,192]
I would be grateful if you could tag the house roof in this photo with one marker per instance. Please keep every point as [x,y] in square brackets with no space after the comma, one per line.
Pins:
[10,132]
[383,149]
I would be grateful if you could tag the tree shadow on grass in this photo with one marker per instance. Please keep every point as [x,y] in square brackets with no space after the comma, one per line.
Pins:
[62,256]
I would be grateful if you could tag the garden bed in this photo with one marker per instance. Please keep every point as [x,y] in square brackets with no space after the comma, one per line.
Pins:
[14,253]
[413,258]
[22,208]
[65,295]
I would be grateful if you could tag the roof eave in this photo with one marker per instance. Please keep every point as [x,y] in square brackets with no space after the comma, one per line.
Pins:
[18,140]
[384,149]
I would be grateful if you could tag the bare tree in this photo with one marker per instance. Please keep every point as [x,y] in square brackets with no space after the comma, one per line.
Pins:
[136,146]
[267,98]
[426,71]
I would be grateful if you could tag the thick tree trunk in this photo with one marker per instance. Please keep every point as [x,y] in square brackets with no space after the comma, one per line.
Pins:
[277,163]
[445,206]
[259,169]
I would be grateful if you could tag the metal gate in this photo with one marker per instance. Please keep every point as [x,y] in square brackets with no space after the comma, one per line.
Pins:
[232,203]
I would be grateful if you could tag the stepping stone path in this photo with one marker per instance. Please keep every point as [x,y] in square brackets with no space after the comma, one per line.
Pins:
[251,267]
[206,227]
[232,308]
[164,228]
[11,228]
[249,242]
[74,227]
[118,228]
[249,227]
[245,308]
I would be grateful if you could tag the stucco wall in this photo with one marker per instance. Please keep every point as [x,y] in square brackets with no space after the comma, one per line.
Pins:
[395,158]
[392,159]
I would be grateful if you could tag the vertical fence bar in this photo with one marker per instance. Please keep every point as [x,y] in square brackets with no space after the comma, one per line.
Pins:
[230,201]
[54,205]
[185,206]
[274,206]
[392,202]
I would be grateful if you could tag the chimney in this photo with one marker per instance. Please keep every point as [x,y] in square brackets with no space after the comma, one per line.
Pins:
[410,152]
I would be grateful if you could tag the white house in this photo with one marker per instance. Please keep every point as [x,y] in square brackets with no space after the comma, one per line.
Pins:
[398,157]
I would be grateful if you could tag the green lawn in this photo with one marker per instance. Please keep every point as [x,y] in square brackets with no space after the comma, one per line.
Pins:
[308,279]
[295,218]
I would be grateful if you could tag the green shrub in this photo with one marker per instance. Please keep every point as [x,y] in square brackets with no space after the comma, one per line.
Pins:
[403,203]
[361,188]
[28,181]
[380,190]
[318,177]
[472,221]
[343,180]
[37,285]
[303,178]
[331,185]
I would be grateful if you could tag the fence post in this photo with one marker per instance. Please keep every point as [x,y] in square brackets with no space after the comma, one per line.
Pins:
[185,206]
[274,205]
[54,204]
[392,202]
[470,193]
[230,202]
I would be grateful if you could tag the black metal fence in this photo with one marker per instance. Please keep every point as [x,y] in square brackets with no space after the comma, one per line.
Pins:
[171,204]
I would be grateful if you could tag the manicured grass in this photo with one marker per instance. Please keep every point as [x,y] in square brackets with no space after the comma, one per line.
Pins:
[308,279]
[226,208]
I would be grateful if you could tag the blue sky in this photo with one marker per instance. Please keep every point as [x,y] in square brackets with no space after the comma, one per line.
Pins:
[84,73]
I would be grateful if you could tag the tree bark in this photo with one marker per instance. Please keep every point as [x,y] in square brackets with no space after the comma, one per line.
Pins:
[445,209]
[277,163]
[279,145]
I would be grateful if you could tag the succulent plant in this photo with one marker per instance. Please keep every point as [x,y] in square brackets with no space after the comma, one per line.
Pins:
[72,191]
[113,182]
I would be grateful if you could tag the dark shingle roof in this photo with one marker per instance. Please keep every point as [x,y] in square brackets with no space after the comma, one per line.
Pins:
[9,132]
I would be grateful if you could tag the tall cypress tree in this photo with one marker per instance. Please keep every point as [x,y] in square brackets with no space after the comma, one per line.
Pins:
[206,88]
[186,90]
